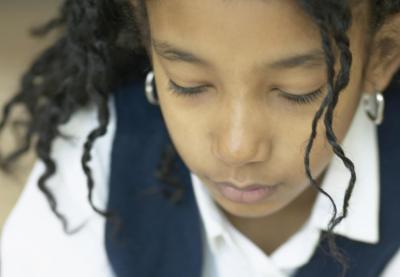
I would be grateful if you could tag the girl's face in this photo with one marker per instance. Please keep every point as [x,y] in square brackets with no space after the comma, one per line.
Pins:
[250,73]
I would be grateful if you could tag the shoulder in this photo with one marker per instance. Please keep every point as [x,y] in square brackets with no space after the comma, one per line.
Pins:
[33,230]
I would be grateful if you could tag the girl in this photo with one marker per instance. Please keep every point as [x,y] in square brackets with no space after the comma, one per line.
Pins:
[215,138]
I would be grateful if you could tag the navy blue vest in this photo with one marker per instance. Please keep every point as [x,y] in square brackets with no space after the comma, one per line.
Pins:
[158,238]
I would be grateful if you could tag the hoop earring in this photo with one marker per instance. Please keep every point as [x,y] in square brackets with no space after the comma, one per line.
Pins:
[374,105]
[150,90]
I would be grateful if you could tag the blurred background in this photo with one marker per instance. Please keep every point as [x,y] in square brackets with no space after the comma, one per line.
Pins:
[17,50]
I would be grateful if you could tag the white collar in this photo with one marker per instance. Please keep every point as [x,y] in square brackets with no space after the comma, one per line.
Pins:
[361,223]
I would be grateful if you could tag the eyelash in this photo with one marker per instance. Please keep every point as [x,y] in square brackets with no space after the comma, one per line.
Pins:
[297,99]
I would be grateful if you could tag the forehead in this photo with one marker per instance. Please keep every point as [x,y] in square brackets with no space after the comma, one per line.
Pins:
[254,27]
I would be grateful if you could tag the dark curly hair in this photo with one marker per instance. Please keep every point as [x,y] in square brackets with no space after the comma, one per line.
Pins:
[102,45]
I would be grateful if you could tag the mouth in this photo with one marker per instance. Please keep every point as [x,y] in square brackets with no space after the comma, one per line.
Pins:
[249,194]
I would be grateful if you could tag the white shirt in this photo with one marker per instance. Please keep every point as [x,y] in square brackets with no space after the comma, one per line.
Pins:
[34,244]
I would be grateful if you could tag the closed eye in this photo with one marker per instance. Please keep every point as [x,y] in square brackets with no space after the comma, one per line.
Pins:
[305,98]
[186,91]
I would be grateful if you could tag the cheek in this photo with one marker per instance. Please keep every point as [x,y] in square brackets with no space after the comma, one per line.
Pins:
[188,130]
[185,130]
[322,153]
[291,148]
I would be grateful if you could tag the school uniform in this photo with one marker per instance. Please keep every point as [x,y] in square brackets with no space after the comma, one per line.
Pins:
[193,238]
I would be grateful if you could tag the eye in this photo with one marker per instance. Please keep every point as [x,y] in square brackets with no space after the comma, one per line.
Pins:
[185,91]
[302,99]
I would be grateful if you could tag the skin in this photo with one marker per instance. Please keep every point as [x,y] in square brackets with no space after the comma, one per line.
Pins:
[241,128]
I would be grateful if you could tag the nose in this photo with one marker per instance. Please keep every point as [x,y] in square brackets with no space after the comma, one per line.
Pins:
[240,139]
[238,154]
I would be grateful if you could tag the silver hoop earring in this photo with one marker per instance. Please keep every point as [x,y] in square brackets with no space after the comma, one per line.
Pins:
[374,105]
[150,90]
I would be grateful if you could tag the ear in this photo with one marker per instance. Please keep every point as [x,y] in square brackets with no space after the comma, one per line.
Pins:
[384,56]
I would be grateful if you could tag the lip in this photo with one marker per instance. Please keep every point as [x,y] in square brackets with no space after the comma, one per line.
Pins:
[249,194]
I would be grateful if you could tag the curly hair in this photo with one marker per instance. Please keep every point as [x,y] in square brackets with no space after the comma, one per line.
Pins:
[102,45]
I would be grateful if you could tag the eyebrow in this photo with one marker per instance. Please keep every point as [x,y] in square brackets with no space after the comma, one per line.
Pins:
[312,58]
